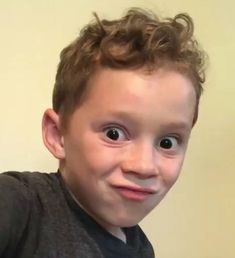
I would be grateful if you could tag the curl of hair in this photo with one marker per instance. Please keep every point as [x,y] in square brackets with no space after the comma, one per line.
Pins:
[139,39]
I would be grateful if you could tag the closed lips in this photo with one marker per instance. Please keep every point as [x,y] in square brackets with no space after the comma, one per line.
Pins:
[136,189]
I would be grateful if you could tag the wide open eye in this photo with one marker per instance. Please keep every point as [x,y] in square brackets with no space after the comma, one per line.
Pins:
[168,143]
[115,134]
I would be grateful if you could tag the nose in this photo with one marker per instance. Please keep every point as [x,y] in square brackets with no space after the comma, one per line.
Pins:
[140,159]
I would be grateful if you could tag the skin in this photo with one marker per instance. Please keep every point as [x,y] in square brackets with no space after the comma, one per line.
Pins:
[124,146]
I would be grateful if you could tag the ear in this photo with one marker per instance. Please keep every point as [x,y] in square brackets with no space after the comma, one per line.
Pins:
[51,133]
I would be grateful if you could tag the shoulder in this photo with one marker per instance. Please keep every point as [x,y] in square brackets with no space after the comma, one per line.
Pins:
[17,189]
[22,197]
[25,188]
[14,207]
[25,178]
[25,182]
[12,186]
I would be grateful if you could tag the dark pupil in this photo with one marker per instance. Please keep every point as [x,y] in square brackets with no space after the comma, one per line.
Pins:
[113,134]
[166,144]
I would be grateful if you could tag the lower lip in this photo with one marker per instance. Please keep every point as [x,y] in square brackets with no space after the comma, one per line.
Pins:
[133,195]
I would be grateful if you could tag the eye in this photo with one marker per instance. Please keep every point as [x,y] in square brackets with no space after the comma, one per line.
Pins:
[168,143]
[115,134]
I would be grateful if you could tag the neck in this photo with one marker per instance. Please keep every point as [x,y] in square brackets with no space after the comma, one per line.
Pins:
[115,231]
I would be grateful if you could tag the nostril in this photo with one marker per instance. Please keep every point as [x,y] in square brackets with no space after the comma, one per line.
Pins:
[140,159]
[140,169]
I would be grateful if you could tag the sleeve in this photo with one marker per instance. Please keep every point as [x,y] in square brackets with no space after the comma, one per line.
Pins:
[14,212]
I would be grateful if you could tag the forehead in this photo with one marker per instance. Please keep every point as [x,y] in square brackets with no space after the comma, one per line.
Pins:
[162,95]
[137,86]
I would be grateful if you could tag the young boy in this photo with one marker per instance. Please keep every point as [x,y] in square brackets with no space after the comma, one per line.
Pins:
[125,100]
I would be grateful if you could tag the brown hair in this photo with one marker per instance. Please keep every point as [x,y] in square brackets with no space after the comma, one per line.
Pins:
[139,39]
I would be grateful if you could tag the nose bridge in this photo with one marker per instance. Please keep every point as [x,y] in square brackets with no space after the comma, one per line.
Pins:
[141,159]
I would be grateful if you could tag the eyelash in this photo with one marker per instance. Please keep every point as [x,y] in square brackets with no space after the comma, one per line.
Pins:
[178,138]
[116,127]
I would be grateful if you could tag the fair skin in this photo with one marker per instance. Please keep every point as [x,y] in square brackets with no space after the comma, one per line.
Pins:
[124,146]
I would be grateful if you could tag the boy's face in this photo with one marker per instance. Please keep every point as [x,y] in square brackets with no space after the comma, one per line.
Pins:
[125,145]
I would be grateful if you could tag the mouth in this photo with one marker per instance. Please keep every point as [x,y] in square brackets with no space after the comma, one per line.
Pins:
[134,193]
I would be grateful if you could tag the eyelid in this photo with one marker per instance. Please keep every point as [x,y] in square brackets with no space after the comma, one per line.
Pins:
[119,127]
[178,139]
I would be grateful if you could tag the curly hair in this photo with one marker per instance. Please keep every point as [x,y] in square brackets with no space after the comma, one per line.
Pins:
[139,39]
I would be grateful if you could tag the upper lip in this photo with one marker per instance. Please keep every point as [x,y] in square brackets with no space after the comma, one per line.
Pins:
[137,189]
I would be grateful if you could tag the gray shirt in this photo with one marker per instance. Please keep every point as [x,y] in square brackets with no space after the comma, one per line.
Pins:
[40,219]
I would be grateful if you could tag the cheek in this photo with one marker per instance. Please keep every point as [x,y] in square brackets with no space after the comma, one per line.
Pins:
[95,157]
[170,170]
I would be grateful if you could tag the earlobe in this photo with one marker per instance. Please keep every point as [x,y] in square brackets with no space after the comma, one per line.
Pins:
[51,133]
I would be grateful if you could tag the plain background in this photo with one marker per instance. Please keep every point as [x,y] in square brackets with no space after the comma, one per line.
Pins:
[196,220]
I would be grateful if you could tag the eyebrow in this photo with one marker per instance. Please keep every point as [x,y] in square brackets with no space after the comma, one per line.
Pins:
[179,125]
[126,117]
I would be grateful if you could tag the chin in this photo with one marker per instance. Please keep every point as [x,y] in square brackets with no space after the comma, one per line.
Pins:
[128,221]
